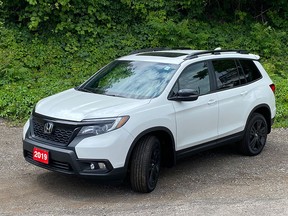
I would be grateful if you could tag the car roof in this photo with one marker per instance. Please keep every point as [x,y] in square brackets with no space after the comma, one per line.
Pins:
[177,56]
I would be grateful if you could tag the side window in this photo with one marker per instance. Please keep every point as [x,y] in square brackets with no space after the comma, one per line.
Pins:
[226,73]
[194,77]
[250,70]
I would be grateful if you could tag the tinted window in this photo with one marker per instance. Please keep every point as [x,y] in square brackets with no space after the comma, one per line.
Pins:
[227,73]
[194,77]
[250,70]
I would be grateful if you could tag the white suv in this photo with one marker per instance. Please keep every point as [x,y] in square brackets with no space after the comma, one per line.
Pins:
[151,108]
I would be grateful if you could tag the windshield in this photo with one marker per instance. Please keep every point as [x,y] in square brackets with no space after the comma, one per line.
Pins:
[131,79]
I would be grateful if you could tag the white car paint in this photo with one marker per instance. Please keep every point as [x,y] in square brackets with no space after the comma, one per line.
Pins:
[212,116]
[77,106]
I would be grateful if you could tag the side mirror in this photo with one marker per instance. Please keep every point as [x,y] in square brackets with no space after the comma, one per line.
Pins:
[185,95]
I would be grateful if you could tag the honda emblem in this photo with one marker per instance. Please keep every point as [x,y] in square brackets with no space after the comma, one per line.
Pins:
[48,128]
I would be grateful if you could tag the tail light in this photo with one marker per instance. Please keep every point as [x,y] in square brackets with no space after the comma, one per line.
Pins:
[273,88]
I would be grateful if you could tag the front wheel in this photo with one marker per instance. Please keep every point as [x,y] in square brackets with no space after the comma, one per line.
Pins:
[145,164]
[255,135]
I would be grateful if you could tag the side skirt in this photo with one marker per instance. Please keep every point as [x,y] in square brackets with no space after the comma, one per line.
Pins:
[209,145]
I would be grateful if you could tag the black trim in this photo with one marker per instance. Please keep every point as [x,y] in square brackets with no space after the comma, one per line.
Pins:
[65,161]
[149,131]
[159,49]
[209,145]
[268,118]
[63,121]
[149,50]
[214,52]
[201,147]
[62,135]
[211,75]
[163,54]
[74,126]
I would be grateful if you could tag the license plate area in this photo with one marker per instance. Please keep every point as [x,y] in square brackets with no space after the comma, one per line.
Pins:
[41,155]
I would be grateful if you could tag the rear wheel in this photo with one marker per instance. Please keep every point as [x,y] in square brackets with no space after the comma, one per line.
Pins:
[255,136]
[145,164]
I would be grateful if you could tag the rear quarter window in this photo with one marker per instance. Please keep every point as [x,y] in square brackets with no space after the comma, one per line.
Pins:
[250,70]
[227,73]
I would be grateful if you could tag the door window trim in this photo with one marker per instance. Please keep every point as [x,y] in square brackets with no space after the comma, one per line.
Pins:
[210,74]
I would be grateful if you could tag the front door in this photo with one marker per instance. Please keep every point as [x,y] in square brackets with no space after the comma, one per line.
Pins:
[197,120]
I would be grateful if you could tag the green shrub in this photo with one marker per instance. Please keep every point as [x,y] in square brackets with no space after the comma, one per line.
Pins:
[34,65]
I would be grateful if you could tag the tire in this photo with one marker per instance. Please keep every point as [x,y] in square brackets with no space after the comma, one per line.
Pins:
[255,135]
[145,164]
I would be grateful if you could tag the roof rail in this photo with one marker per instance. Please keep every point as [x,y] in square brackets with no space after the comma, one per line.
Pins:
[214,52]
[181,48]
[149,50]
[158,49]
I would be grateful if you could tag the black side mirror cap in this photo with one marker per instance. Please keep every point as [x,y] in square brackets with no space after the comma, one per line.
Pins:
[185,95]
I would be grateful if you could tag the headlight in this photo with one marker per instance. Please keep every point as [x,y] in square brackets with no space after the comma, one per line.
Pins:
[101,126]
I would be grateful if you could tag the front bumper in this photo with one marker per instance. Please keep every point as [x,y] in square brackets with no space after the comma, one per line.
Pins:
[64,160]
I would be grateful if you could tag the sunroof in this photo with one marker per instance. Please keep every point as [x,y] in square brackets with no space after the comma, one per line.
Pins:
[162,54]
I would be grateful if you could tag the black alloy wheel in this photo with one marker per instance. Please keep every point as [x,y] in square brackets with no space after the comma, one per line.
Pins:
[255,135]
[154,167]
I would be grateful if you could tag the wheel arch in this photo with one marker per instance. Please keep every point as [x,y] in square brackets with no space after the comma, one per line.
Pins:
[264,110]
[167,141]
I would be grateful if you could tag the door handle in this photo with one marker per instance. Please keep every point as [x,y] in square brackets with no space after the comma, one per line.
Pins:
[212,101]
[244,93]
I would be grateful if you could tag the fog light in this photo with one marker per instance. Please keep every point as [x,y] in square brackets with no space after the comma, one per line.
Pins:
[92,166]
[102,165]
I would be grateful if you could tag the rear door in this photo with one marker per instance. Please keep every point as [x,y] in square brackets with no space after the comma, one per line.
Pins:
[234,95]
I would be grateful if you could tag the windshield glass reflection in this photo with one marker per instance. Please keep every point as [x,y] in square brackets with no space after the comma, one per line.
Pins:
[131,79]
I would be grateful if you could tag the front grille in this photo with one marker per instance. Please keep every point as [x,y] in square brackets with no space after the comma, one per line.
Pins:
[53,164]
[62,134]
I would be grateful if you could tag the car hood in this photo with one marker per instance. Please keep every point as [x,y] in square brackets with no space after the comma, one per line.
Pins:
[76,105]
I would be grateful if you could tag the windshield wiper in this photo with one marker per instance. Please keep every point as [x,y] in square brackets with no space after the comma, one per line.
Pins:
[83,90]
[114,95]
[96,92]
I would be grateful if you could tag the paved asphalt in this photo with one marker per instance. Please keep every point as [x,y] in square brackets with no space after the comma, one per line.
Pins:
[217,182]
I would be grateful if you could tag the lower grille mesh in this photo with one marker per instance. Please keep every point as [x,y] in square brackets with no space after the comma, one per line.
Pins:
[52,163]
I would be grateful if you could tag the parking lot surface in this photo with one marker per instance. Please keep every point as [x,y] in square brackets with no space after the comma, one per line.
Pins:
[216,182]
